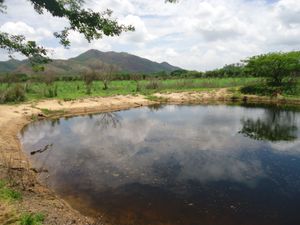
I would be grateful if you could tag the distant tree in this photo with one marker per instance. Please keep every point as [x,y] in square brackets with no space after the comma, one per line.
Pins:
[277,67]
[213,73]
[233,70]
[193,74]
[178,73]
[107,74]
[88,77]
[137,77]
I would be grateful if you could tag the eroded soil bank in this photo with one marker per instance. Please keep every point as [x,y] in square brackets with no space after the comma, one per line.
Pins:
[14,165]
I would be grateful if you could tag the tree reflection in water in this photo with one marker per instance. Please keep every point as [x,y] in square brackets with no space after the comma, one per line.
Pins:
[275,125]
[109,119]
[156,107]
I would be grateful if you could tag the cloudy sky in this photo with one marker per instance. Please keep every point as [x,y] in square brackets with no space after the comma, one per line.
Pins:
[193,34]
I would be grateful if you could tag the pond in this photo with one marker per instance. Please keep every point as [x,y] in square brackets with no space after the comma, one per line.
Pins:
[187,165]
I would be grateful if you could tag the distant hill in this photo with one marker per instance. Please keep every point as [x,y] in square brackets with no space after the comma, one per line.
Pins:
[74,66]
[10,65]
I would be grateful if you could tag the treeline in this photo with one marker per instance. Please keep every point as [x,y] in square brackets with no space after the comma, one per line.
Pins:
[234,70]
[277,65]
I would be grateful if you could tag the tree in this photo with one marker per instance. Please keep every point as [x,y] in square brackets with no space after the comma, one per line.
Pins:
[276,67]
[93,25]
[136,77]
[88,78]
[107,74]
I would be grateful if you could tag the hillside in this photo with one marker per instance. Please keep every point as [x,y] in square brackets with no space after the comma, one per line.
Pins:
[74,66]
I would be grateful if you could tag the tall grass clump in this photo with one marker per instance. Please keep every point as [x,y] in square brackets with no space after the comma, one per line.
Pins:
[154,84]
[50,91]
[15,93]
[32,219]
[7,193]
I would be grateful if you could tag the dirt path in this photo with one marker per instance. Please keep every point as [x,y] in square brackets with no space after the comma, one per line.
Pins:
[36,197]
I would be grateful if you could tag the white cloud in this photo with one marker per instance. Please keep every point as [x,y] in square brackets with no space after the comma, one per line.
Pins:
[21,28]
[194,34]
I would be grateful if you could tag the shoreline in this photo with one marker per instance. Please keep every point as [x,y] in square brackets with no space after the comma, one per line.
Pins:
[13,118]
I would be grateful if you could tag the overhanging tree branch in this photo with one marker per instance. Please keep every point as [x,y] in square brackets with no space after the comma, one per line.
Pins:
[93,25]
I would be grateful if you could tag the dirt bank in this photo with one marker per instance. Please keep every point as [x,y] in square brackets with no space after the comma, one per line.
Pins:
[14,164]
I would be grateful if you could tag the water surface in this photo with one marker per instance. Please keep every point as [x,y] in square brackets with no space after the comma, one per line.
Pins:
[188,165]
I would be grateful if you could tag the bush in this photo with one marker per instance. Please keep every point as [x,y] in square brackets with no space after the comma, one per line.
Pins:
[154,84]
[266,89]
[15,93]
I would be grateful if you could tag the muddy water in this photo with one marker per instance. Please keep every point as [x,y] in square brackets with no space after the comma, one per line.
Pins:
[188,165]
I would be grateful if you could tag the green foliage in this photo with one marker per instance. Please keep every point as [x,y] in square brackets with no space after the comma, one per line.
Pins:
[32,219]
[18,43]
[278,68]
[13,93]
[7,193]
[265,89]
[232,70]
[93,25]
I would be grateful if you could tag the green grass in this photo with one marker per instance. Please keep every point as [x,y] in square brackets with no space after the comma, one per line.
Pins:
[32,219]
[70,90]
[7,193]
[49,112]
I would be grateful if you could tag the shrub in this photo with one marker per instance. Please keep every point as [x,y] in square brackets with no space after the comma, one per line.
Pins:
[15,93]
[154,84]
[89,78]
[266,89]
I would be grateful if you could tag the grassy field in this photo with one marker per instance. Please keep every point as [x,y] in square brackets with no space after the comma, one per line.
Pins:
[69,90]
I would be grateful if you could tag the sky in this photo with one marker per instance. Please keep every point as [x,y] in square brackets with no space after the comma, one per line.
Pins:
[193,34]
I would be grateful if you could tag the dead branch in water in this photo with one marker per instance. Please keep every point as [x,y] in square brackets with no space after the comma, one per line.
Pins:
[41,150]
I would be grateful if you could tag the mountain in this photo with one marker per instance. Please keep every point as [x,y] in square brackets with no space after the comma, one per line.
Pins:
[123,61]
[10,65]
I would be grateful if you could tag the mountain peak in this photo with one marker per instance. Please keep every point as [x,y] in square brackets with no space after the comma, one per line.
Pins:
[125,61]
